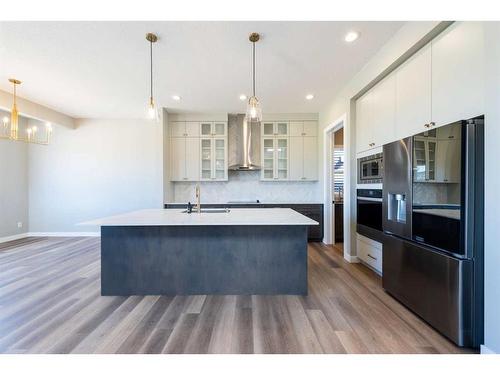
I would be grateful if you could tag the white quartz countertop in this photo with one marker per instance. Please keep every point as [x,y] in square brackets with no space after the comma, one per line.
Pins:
[444,212]
[236,216]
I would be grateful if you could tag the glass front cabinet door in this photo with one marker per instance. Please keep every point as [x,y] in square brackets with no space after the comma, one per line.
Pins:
[213,159]
[275,159]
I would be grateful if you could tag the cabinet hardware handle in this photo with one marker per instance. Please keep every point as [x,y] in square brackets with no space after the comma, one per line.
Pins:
[304,178]
[184,178]
[372,257]
[303,133]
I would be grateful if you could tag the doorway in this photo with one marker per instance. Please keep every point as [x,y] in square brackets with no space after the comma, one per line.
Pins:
[335,172]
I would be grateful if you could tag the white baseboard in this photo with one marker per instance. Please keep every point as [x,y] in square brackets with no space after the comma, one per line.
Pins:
[351,258]
[14,237]
[63,234]
[486,350]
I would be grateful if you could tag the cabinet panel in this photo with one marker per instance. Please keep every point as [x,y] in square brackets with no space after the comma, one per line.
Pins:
[363,130]
[220,159]
[177,159]
[268,129]
[296,157]
[296,128]
[192,159]
[448,161]
[192,129]
[177,129]
[205,129]
[383,111]
[310,158]
[413,94]
[310,128]
[458,73]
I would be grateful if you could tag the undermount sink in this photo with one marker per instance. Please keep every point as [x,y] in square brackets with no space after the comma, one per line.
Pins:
[209,211]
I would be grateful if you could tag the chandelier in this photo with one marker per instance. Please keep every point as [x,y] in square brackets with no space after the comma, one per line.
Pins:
[10,126]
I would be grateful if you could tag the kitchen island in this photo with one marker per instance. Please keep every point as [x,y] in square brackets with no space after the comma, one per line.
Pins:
[171,252]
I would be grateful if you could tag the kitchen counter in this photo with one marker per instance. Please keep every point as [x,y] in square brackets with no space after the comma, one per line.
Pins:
[235,216]
[246,251]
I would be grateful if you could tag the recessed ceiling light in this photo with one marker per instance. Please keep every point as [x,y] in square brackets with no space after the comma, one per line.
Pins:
[243,97]
[309,96]
[176,97]
[351,36]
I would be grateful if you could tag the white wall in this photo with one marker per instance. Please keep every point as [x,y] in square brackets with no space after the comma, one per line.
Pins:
[13,187]
[492,183]
[100,168]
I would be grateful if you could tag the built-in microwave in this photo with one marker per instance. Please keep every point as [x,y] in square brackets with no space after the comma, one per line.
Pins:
[370,169]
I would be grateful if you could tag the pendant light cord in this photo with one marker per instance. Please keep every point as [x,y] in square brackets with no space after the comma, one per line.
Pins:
[151,65]
[253,70]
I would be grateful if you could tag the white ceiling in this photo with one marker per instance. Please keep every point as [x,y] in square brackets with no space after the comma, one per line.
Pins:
[100,69]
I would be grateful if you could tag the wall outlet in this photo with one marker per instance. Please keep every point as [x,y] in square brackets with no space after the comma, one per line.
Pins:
[19,224]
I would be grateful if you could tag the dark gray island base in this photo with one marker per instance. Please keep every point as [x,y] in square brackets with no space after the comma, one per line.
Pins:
[195,259]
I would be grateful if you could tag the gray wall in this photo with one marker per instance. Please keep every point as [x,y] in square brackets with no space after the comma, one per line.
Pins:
[13,187]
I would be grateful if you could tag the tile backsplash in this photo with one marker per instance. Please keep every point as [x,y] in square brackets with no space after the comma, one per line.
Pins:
[436,193]
[246,186]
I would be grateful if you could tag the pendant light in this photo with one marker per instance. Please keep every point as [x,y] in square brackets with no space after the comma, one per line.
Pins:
[10,128]
[254,112]
[152,109]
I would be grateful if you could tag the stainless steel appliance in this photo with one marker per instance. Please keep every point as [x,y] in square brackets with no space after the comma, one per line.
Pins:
[369,213]
[370,169]
[433,206]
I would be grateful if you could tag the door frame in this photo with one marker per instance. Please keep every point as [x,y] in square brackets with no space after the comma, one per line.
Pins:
[338,124]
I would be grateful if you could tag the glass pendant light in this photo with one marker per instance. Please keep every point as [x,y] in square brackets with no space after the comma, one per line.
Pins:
[254,112]
[152,110]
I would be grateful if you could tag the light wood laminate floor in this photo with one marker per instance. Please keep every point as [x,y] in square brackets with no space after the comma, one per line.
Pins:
[50,302]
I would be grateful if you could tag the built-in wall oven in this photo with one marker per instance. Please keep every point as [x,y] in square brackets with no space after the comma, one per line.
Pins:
[370,169]
[369,213]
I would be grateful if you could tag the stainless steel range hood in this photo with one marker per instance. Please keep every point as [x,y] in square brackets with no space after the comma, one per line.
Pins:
[243,144]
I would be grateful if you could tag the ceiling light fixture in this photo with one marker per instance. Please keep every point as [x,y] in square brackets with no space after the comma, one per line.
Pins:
[309,96]
[176,98]
[254,112]
[10,129]
[152,109]
[351,36]
[243,97]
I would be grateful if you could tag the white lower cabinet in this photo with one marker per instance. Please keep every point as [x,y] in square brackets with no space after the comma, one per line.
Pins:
[369,252]
[184,159]
[303,158]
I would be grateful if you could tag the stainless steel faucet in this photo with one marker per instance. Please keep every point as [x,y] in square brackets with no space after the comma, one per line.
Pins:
[198,194]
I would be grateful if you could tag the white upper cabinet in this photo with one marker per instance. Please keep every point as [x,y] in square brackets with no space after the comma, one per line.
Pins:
[303,128]
[303,159]
[383,112]
[413,94]
[213,159]
[458,73]
[310,158]
[442,83]
[363,128]
[375,115]
[184,160]
[184,129]
[213,129]
[277,129]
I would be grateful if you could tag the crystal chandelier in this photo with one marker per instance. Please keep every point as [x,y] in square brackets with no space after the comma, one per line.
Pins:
[10,127]
[254,112]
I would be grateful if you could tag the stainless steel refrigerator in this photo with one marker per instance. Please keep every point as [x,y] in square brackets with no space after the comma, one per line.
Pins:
[433,209]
